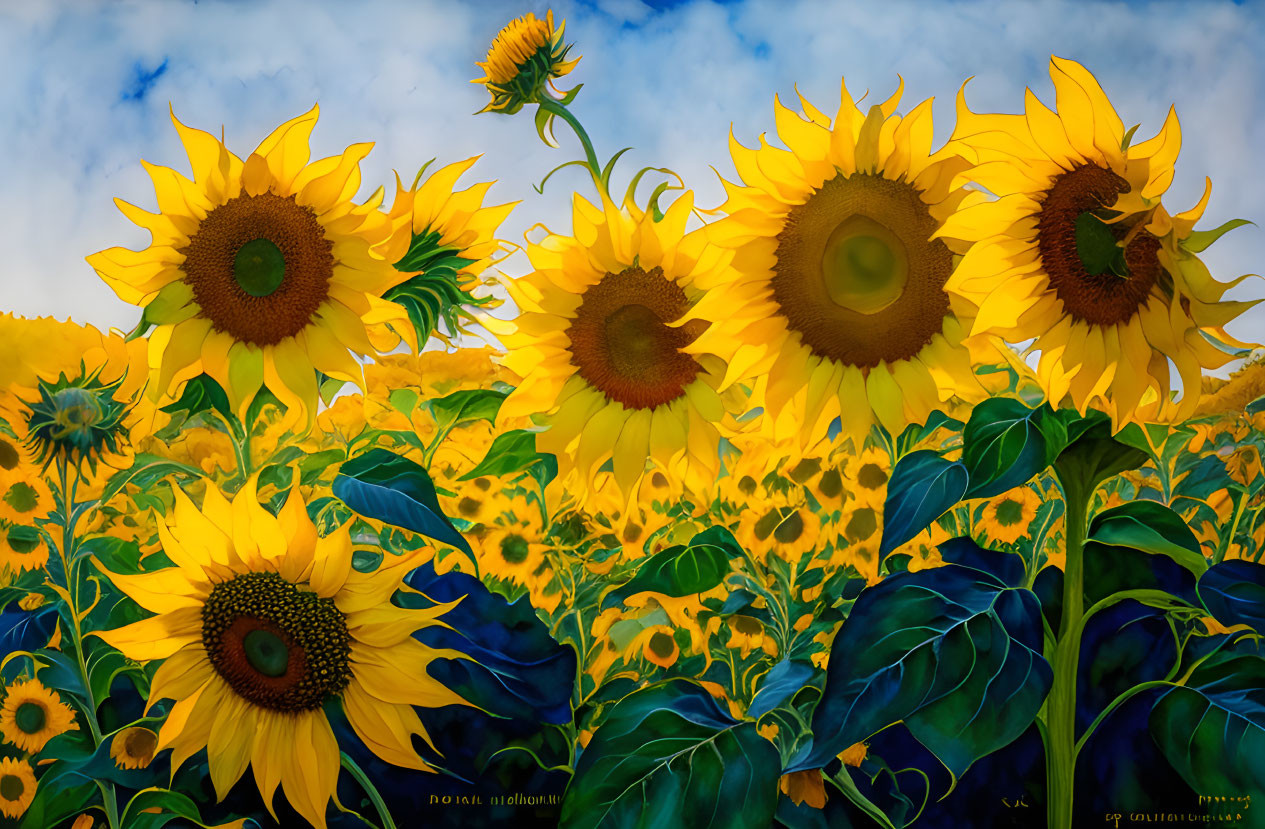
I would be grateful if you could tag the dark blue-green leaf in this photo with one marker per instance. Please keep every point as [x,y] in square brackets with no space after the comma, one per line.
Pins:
[668,755]
[1151,527]
[1234,593]
[384,486]
[923,487]
[1002,447]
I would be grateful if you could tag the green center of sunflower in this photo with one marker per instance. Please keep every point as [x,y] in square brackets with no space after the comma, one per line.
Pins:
[30,718]
[22,497]
[468,507]
[855,275]
[862,525]
[830,484]
[1009,512]
[11,787]
[266,652]
[514,549]
[791,528]
[864,265]
[23,540]
[662,645]
[8,454]
[276,645]
[76,411]
[259,267]
[871,476]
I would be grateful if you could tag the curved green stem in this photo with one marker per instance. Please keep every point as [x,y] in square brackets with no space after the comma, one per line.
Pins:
[556,108]
[384,814]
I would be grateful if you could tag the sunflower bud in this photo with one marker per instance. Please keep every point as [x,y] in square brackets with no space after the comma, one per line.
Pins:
[76,420]
[527,54]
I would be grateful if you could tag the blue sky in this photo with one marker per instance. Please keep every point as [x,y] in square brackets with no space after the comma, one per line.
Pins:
[87,87]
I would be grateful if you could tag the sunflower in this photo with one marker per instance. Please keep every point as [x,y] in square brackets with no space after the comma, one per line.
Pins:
[779,527]
[1007,517]
[133,748]
[478,500]
[867,473]
[260,624]
[32,715]
[24,495]
[606,353]
[747,633]
[656,644]
[260,272]
[22,548]
[1079,254]
[449,239]
[525,55]
[17,787]
[833,239]
[513,549]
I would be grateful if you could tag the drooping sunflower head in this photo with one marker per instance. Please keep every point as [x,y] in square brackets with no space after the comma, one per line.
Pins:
[263,622]
[1079,253]
[445,241]
[613,350]
[525,55]
[17,787]
[835,237]
[32,715]
[133,748]
[75,420]
[261,271]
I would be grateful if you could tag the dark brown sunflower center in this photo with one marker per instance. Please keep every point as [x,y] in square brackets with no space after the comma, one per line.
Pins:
[632,532]
[468,507]
[514,549]
[1009,512]
[259,267]
[30,718]
[747,625]
[856,277]
[277,646]
[621,343]
[140,743]
[662,645]
[11,787]
[8,454]
[791,528]
[871,476]
[1066,225]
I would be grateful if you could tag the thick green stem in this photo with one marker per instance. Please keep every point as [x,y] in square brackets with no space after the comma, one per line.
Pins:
[590,156]
[1061,704]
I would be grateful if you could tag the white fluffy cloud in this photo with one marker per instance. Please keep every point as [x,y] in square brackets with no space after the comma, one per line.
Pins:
[87,88]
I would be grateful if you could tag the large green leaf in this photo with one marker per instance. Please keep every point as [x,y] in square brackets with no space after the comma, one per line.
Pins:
[923,487]
[682,570]
[954,652]
[510,453]
[382,485]
[1234,593]
[200,394]
[1212,730]
[668,755]
[145,472]
[1002,447]
[1151,527]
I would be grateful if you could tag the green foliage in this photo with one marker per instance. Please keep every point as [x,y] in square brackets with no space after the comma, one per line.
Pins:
[670,753]
[1152,528]
[923,487]
[682,570]
[434,296]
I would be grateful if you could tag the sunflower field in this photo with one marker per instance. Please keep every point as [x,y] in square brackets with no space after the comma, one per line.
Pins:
[891,491]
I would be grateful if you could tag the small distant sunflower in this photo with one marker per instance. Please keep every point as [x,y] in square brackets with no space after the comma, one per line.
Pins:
[657,644]
[260,272]
[478,501]
[17,787]
[607,353]
[24,495]
[511,550]
[779,527]
[32,715]
[261,624]
[525,55]
[747,633]
[1079,254]
[134,748]
[834,239]
[867,473]
[1007,517]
